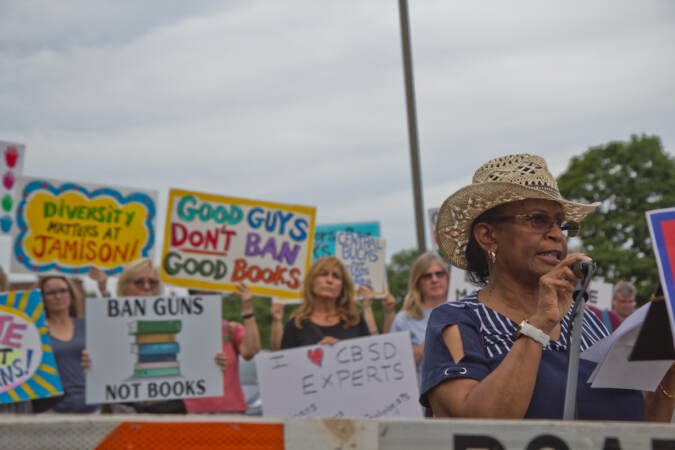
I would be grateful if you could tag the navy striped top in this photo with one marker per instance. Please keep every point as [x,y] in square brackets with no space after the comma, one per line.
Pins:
[487,337]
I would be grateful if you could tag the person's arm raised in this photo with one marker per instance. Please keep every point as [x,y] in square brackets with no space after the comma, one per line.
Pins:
[251,344]
[277,328]
[507,391]
[368,295]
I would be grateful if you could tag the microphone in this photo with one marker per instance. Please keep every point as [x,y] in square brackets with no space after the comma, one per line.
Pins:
[584,268]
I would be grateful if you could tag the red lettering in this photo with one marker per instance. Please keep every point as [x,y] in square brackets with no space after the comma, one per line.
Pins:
[277,276]
[178,234]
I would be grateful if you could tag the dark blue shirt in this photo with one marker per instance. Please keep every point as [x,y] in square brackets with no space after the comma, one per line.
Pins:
[487,337]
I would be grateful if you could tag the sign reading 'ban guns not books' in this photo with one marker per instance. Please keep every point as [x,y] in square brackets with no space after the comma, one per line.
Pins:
[153,348]
[69,227]
[215,242]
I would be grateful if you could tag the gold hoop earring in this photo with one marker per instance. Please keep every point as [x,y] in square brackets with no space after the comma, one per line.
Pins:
[492,255]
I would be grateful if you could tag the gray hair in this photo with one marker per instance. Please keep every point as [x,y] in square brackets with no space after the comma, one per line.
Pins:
[625,288]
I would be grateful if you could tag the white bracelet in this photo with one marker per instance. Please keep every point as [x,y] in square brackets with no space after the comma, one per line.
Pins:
[525,329]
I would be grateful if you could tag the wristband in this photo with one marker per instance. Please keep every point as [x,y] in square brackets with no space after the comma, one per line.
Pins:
[525,329]
[247,316]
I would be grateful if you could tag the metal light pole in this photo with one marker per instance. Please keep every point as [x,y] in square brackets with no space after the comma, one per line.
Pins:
[412,124]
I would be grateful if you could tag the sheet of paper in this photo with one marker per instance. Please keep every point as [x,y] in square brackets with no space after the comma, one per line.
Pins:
[611,353]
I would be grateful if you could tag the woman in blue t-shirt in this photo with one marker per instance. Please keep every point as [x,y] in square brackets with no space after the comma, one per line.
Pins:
[501,353]
[67,335]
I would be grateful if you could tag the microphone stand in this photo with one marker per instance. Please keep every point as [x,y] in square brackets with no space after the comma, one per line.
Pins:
[574,347]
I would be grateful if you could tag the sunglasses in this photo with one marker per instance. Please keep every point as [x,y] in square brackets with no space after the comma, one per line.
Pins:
[141,282]
[542,223]
[438,274]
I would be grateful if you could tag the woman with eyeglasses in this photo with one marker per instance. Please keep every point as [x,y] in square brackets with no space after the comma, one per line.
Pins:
[502,352]
[427,288]
[67,335]
[328,312]
[140,278]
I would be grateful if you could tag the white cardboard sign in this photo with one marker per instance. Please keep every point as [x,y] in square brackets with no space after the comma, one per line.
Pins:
[366,377]
[153,348]
[364,258]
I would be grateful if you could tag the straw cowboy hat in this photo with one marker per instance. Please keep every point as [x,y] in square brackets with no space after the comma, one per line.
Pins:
[501,180]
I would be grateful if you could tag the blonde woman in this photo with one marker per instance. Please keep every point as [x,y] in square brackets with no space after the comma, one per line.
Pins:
[328,312]
[427,288]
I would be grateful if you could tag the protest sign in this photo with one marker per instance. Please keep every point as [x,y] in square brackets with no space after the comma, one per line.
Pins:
[324,237]
[153,348]
[662,231]
[68,227]
[27,365]
[214,242]
[12,156]
[366,377]
[364,259]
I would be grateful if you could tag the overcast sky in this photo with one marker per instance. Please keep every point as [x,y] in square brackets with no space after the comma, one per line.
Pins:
[303,101]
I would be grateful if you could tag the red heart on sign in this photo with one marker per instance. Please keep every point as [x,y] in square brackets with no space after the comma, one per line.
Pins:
[315,356]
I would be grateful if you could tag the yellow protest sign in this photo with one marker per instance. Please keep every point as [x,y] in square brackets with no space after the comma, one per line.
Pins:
[214,242]
[69,227]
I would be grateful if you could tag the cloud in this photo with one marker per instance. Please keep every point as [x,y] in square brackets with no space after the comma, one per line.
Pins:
[303,102]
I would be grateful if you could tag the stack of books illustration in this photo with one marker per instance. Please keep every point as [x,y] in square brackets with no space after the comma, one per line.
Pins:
[156,347]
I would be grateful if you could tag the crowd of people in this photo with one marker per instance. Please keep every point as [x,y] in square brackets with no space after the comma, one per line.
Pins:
[500,352]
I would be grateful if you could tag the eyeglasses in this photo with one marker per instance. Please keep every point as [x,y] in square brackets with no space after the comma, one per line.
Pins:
[429,275]
[141,282]
[56,292]
[543,223]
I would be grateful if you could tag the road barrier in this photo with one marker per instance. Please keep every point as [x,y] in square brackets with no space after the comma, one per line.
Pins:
[244,433]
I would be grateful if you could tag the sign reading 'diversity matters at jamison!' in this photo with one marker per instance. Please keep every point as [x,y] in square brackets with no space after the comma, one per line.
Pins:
[214,242]
[69,227]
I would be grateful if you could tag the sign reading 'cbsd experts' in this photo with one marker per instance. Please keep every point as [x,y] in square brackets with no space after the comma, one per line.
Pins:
[70,227]
[214,242]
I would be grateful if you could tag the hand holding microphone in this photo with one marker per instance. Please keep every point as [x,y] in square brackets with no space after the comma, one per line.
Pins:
[584,268]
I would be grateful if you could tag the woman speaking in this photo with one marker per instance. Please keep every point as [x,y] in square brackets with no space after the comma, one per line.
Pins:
[501,352]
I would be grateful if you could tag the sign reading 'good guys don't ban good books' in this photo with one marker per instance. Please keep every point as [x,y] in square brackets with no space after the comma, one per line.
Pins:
[215,242]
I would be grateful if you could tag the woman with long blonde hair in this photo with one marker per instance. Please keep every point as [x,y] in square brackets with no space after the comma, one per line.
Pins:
[427,288]
[328,311]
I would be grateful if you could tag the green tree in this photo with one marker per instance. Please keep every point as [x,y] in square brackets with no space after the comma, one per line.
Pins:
[629,178]
[398,272]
